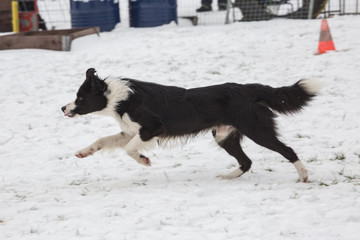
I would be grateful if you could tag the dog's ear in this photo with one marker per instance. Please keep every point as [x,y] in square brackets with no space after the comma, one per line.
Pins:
[96,84]
[90,73]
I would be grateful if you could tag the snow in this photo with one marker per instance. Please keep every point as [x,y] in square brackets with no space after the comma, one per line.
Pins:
[48,193]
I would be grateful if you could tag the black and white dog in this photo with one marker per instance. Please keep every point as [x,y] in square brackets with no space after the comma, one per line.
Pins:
[149,113]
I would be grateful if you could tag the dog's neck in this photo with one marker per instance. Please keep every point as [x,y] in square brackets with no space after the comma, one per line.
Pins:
[117,90]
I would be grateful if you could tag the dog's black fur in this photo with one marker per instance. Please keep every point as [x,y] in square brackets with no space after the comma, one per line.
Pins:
[169,112]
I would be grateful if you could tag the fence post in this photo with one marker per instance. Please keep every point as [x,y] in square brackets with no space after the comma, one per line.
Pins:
[15,16]
[228,5]
[311,9]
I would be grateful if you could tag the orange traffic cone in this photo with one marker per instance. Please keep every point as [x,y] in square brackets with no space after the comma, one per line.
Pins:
[325,42]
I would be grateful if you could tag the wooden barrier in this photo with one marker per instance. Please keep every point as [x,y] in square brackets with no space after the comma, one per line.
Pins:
[5,16]
[59,40]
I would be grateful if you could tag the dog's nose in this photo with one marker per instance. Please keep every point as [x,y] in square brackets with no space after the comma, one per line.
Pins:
[63,108]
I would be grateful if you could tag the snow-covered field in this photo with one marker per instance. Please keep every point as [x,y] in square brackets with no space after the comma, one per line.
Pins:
[47,193]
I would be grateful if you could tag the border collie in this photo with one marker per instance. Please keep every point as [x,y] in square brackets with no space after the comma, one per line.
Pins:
[149,113]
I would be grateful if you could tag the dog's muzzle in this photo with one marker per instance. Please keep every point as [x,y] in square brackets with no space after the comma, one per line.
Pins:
[68,110]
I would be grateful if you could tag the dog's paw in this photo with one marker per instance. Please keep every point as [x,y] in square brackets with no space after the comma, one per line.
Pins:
[225,177]
[140,158]
[304,179]
[144,161]
[302,171]
[234,174]
[85,152]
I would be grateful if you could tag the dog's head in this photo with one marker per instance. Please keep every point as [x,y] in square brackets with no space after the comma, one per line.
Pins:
[89,98]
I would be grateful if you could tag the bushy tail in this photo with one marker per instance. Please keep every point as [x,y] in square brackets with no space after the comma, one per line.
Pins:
[290,99]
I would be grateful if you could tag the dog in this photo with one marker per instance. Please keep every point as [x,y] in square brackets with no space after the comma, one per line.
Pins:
[149,112]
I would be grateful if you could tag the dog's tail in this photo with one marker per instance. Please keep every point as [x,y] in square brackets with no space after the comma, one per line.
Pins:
[289,99]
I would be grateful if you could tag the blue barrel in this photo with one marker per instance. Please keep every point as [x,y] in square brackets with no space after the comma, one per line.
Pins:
[152,13]
[104,14]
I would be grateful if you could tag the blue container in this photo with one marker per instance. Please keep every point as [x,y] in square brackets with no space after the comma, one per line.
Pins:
[104,14]
[152,13]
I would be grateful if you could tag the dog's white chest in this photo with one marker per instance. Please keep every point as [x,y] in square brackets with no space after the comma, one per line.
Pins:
[127,125]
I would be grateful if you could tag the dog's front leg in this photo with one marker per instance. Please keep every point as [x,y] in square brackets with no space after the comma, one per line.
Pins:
[136,144]
[110,142]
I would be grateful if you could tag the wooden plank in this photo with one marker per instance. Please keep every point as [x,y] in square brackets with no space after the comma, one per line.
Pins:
[84,32]
[59,40]
[61,32]
[5,5]
[42,42]
[5,25]
[5,16]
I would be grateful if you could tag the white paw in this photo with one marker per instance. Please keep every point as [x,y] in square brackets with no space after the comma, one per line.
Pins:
[144,161]
[305,177]
[223,177]
[234,174]
[302,171]
[140,158]
[85,152]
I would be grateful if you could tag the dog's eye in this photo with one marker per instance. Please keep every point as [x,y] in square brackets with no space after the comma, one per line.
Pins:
[80,98]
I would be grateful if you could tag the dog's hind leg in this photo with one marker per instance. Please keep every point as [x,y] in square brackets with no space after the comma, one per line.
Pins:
[229,139]
[276,145]
[263,132]
[110,142]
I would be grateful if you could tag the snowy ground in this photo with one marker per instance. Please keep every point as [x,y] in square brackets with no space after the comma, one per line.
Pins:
[47,193]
